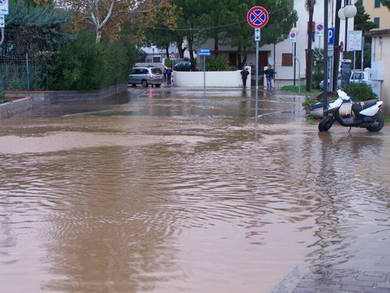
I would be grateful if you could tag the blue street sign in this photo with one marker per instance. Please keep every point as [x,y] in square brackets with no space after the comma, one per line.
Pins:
[204,52]
[331,33]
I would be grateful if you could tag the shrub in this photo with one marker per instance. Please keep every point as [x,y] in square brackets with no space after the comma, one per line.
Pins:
[360,92]
[84,64]
[218,63]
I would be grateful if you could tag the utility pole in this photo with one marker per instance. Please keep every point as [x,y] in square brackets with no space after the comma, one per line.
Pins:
[326,69]
[309,55]
[337,47]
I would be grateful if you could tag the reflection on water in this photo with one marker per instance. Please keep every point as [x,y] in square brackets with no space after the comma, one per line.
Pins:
[177,193]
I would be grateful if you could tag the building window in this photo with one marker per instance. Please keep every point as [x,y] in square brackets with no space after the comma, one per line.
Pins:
[287,59]
[377,21]
[377,3]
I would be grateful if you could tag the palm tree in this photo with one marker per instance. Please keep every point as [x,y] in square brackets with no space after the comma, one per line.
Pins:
[309,57]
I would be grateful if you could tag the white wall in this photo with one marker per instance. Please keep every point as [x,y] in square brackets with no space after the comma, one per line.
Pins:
[226,79]
[381,66]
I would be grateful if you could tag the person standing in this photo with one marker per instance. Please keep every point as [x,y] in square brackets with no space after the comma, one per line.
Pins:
[270,75]
[169,76]
[244,76]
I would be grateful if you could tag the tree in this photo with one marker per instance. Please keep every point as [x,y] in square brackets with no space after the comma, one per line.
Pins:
[310,4]
[283,18]
[386,3]
[99,13]
[362,19]
[363,23]
[33,28]
[157,26]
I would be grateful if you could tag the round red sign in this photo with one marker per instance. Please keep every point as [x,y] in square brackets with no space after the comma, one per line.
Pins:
[257,17]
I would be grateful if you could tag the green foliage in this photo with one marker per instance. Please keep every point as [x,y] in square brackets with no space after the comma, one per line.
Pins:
[218,63]
[360,92]
[33,28]
[309,102]
[362,19]
[168,63]
[386,3]
[318,68]
[84,64]
[2,97]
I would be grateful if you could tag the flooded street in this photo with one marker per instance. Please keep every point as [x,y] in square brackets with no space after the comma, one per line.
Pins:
[169,191]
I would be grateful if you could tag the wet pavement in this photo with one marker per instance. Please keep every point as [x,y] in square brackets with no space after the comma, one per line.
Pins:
[171,191]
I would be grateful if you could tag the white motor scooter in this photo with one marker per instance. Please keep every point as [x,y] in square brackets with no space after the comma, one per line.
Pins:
[367,115]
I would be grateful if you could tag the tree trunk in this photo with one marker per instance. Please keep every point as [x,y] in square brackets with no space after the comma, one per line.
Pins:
[191,50]
[98,36]
[216,45]
[179,44]
[167,51]
[309,54]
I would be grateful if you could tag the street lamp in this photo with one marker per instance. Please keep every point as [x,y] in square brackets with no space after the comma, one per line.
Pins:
[349,11]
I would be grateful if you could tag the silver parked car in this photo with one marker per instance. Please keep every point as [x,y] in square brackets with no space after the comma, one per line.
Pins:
[146,76]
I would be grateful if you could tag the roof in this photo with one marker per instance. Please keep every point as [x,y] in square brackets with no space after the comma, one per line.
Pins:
[379,32]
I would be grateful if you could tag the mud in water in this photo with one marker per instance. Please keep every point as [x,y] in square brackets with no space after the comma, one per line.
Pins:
[174,192]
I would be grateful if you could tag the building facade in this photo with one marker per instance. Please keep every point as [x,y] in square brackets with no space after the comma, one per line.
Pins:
[379,14]
[380,63]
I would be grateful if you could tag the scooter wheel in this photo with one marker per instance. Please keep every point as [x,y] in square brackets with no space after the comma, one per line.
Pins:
[378,124]
[325,124]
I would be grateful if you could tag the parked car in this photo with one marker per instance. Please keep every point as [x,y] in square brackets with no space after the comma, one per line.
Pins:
[357,76]
[183,65]
[146,76]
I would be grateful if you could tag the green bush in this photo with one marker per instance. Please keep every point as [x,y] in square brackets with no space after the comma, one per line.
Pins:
[218,63]
[84,64]
[2,97]
[360,92]
[168,63]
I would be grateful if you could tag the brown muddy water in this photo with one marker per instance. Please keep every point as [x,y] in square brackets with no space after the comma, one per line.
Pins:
[173,192]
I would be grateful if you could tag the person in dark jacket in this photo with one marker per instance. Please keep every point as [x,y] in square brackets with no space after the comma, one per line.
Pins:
[244,76]
[270,75]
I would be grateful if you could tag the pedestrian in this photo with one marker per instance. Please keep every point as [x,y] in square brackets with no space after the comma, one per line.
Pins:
[169,76]
[270,75]
[244,76]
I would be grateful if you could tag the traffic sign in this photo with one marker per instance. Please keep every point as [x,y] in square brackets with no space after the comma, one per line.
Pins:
[293,36]
[4,10]
[320,29]
[355,39]
[204,52]
[257,17]
[257,35]
[331,33]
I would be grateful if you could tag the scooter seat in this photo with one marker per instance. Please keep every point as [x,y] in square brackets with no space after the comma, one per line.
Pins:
[360,106]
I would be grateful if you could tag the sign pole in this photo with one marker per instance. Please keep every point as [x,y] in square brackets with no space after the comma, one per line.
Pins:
[257,80]
[257,17]
[204,75]
[362,52]
[295,62]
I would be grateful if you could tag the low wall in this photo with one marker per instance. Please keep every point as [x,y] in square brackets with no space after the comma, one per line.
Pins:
[213,79]
[10,109]
[55,97]
[23,101]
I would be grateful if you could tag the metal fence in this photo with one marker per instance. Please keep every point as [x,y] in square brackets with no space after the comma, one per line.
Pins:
[24,72]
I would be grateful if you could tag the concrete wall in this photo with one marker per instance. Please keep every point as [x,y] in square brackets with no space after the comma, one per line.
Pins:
[213,79]
[54,97]
[7,110]
[24,101]
[381,66]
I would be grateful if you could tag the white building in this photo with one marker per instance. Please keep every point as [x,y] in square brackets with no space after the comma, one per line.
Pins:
[281,53]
